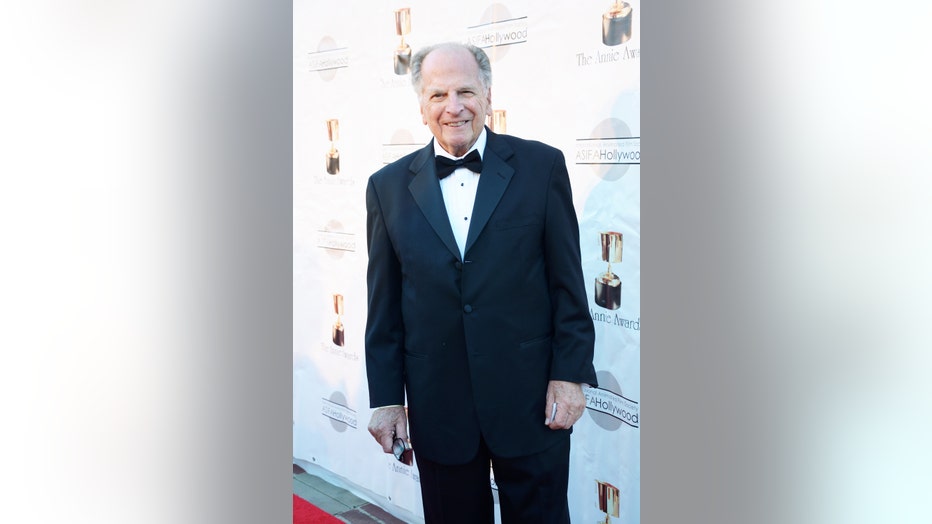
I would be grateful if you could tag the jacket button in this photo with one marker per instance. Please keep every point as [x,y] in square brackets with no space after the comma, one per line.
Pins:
[467,308]
[459,265]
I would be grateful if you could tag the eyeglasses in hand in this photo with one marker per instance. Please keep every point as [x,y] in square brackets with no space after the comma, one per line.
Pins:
[403,452]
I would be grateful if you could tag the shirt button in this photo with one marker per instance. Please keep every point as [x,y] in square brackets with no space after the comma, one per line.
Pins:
[467,308]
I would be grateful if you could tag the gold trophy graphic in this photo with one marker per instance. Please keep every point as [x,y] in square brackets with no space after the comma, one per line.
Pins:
[497,121]
[608,285]
[403,52]
[333,156]
[616,23]
[338,325]
[608,500]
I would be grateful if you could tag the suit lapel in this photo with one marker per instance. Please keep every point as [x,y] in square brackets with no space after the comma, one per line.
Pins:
[425,188]
[496,174]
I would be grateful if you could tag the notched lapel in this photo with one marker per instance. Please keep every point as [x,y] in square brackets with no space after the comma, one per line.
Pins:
[425,188]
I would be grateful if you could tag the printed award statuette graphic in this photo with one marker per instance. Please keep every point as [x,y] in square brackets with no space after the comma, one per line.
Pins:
[608,285]
[337,331]
[608,500]
[403,52]
[497,121]
[333,156]
[616,23]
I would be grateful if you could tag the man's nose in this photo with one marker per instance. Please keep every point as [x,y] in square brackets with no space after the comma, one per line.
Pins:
[454,105]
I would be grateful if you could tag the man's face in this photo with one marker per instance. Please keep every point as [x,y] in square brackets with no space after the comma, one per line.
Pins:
[454,104]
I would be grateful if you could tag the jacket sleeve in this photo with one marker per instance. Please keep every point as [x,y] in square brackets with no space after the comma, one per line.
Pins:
[574,335]
[384,337]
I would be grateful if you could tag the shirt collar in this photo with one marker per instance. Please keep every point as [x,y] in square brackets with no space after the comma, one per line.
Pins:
[478,146]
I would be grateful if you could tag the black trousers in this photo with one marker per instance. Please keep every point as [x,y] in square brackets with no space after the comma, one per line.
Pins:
[531,489]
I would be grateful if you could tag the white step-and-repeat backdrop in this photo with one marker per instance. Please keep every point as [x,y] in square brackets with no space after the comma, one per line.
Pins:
[565,73]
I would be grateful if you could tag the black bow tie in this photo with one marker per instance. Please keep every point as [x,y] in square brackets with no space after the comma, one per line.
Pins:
[445,165]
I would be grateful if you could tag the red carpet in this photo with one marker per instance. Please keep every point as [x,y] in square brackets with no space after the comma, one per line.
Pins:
[306,513]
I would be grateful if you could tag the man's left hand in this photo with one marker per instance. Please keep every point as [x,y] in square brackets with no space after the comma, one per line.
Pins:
[571,404]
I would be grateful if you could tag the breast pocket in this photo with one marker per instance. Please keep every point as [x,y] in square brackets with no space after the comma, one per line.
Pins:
[516,222]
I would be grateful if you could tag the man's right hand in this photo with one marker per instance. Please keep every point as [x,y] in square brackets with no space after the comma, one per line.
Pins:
[388,423]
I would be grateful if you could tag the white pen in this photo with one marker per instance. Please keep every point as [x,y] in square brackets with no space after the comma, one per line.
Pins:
[553,413]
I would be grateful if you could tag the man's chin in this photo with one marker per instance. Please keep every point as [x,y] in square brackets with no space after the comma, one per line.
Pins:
[459,146]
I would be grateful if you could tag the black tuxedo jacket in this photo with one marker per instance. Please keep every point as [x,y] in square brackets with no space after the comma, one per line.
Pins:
[474,340]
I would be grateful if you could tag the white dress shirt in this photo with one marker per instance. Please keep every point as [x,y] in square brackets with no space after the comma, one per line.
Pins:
[459,193]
